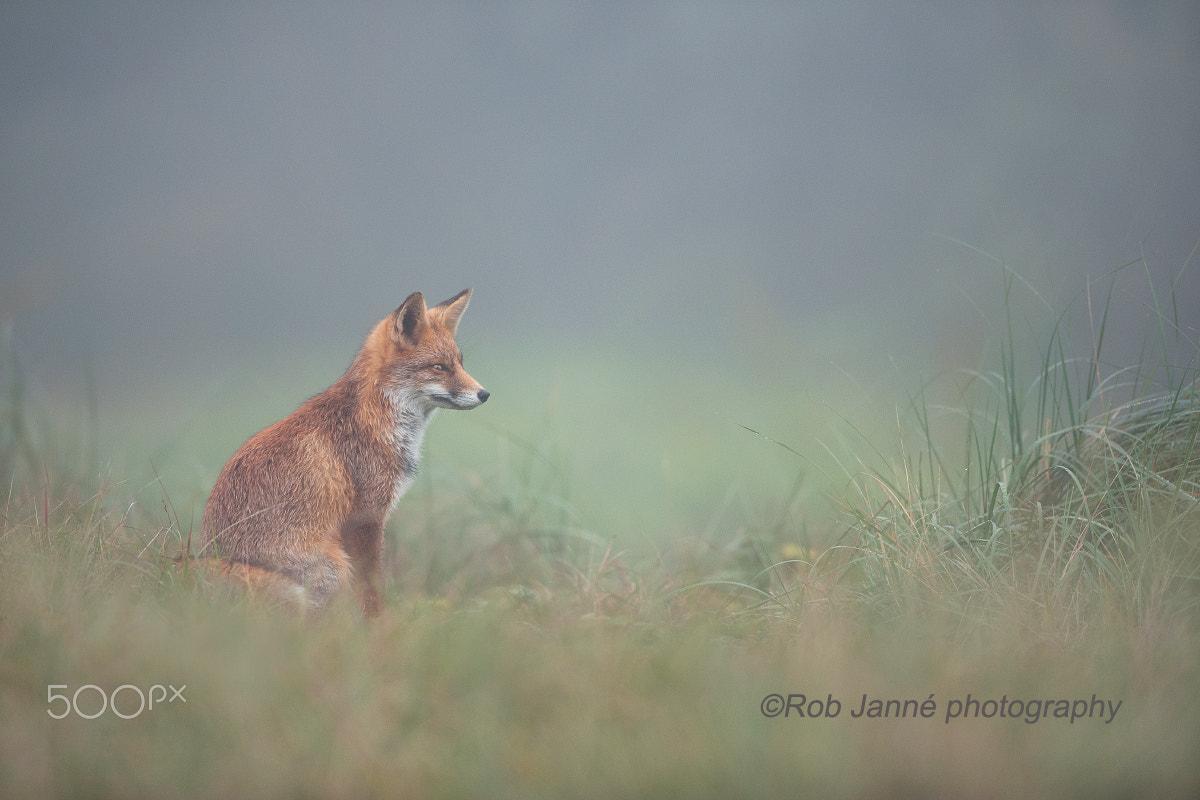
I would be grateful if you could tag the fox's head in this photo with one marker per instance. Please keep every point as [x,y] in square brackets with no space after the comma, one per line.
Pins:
[422,366]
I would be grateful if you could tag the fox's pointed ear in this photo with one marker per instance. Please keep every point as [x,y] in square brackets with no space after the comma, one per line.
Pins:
[449,312]
[409,321]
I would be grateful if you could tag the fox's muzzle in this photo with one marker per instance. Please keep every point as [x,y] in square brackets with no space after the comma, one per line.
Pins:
[463,401]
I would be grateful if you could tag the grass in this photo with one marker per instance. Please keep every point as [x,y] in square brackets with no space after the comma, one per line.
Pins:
[1035,537]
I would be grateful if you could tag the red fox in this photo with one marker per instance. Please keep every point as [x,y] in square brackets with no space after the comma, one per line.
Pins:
[302,505]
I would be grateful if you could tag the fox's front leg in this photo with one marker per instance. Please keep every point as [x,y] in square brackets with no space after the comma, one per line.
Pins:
[363,540]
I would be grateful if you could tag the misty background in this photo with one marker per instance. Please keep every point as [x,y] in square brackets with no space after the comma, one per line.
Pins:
[677,218]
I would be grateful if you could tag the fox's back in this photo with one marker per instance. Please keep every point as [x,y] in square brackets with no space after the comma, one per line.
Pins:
[284,482]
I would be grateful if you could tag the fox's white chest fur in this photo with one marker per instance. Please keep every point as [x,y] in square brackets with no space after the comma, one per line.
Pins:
[410,418]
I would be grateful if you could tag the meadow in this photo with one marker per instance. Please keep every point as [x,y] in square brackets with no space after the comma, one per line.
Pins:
[992,592]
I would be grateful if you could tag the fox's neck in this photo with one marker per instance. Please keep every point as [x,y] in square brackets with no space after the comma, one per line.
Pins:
[398,414]
[393,422]
[409,419]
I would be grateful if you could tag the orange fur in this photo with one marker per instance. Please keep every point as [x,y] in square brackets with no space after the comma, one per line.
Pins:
[306,499]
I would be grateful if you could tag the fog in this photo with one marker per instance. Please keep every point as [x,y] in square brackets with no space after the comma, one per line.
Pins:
[191,186]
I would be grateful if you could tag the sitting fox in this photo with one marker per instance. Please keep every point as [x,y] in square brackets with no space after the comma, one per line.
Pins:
[302,505]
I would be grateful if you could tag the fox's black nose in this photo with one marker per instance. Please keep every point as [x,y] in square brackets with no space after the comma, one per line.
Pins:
[483,395]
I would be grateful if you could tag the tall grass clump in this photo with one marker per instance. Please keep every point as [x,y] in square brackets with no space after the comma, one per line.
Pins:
[1056,490]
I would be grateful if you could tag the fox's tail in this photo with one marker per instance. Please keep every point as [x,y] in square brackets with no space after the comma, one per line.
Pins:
[257,582]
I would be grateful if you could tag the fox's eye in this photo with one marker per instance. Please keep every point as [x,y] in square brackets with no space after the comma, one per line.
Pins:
[439,367]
